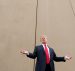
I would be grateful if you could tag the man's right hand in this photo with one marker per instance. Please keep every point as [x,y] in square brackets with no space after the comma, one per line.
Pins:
[24,52]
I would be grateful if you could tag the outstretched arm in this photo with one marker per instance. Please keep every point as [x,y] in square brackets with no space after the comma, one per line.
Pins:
[59,59]
[30,55]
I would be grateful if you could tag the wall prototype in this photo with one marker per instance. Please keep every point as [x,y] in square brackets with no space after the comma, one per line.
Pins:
[17,30]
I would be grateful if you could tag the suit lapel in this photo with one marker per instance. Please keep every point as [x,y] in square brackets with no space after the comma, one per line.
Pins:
[50,51]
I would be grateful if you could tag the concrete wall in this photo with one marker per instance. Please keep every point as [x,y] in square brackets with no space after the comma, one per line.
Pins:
[17,30]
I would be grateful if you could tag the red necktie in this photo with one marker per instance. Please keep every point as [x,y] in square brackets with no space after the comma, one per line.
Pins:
[47,55]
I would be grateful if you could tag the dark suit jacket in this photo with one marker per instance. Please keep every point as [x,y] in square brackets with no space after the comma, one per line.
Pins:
[41,58]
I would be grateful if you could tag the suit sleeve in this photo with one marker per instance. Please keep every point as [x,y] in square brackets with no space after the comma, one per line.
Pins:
[34,54]
[58,59]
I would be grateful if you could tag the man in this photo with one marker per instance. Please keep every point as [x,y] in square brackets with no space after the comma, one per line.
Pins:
[45,56]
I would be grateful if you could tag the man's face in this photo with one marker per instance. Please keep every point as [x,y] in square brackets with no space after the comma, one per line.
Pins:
[43,39]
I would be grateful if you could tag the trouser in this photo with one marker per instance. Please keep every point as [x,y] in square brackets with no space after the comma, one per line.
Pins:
[47,67]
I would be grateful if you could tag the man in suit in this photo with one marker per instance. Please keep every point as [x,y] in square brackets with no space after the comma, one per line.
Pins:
[45,56]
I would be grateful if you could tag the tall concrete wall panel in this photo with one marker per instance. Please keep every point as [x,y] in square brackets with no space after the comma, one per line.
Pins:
[55,18]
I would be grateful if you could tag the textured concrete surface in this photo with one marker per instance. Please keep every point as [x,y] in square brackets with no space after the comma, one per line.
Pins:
[17,30]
